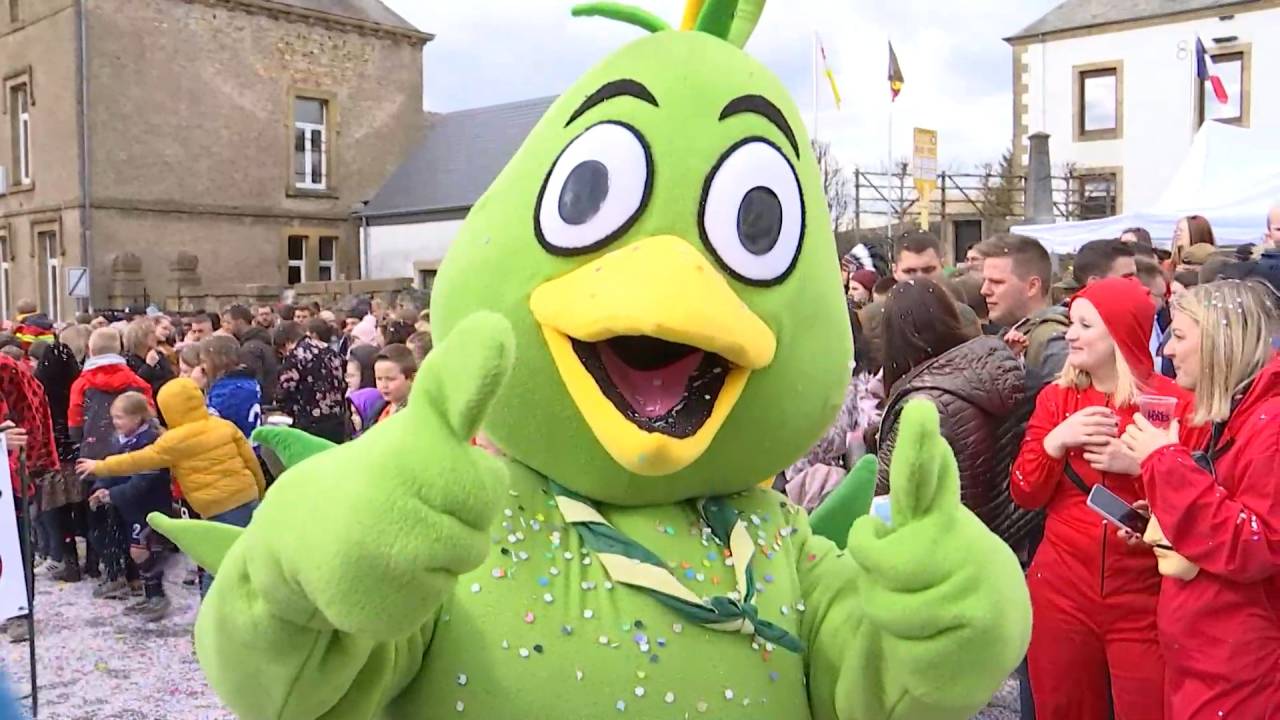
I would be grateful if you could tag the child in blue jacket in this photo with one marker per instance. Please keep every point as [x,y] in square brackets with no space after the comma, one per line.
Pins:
[135,496]
[234,393]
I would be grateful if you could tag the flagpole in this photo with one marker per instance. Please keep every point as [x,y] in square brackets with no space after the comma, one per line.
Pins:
[893,210]
[815,85]
[893,207]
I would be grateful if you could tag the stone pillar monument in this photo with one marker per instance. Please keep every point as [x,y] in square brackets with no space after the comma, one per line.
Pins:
[127,284]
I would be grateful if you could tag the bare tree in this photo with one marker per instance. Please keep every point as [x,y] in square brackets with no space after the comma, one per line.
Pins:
[1000,189]
[836,184]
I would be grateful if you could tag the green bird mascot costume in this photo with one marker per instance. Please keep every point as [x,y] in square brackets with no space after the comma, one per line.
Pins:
[644,313]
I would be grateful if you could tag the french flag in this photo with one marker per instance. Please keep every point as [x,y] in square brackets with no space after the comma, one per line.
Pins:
[1207,72]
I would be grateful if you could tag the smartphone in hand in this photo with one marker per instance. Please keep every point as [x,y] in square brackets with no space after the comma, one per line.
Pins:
[1116,510]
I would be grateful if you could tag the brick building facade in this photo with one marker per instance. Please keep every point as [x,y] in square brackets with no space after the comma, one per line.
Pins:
[239,132]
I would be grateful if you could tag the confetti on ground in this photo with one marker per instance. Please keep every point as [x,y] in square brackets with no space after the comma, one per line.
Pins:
[96,663]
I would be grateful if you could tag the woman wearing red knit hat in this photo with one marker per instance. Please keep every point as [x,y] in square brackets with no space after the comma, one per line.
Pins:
[1093,596]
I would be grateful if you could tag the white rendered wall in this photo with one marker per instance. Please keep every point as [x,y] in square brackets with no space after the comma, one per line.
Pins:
[393,249]
[1158,103]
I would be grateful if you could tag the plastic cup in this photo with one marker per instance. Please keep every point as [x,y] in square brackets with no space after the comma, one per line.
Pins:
[1158,409]
[279,421]
[880,508]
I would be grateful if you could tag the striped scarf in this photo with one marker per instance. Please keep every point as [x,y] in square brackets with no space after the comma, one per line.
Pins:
[630,563]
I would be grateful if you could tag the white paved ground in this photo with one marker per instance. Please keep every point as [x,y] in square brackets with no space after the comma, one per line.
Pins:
[96,664]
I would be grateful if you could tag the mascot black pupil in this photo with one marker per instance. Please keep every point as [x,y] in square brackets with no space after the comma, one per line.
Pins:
[584,192]
[760,220]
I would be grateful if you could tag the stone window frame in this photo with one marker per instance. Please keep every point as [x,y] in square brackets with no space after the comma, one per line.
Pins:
[311,263]
[21,77]
[332,131]
[1245,51]
[1078,76]
[6,260]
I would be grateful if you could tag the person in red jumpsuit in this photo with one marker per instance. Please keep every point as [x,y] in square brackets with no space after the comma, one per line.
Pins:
[1093,596]
[1220,509]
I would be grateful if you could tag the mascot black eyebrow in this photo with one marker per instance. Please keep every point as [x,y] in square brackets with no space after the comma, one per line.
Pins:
[644,313]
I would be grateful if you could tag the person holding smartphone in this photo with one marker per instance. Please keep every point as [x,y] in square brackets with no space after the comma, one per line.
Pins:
[1093,644]
[1220,508]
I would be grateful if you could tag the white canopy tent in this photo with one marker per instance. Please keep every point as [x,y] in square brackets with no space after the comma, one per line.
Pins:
[1230,175]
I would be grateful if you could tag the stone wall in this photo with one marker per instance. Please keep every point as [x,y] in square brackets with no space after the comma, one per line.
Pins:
[192,132]
[185,291]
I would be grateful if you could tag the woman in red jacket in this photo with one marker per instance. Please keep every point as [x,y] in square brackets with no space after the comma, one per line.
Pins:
[1219,614]
[1093,596]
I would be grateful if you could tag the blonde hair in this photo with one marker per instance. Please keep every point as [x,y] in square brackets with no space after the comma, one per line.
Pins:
[1236,328]
[76,337]
[1126,392]
[133,404]
[104,341]
[138,334]
[189,355]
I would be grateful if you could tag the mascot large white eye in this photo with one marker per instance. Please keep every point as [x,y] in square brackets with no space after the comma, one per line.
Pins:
[595,191]
[753,214]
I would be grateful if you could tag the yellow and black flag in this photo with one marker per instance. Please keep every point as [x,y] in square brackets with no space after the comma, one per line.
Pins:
[895,74]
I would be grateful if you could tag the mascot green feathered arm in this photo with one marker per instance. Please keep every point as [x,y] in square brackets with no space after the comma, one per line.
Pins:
[659,257]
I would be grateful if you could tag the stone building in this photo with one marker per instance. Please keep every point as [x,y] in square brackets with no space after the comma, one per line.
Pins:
[221,145]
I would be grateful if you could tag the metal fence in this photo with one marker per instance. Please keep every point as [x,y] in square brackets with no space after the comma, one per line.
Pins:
[882,199]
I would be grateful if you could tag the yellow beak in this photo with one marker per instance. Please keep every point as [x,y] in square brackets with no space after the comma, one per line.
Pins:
[663,289]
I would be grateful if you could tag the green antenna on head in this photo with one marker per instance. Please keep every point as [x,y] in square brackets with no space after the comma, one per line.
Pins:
[730,20]
[623,13]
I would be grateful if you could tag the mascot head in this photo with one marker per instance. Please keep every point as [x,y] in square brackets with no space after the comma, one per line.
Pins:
[662,247]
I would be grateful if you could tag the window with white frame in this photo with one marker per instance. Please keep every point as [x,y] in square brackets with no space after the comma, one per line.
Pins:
[20,132]
[4,277]
[327,265]
[310,144]
[297,259]
[47,241]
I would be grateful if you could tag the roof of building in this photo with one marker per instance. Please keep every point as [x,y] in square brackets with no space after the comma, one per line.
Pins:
[1078,14]
[370,11]
[459,158]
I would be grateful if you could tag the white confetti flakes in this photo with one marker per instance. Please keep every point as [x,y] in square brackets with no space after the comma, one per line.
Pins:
[475,587]
[462,679]
[728,694]
[669,698]
[639,691]
[460,706]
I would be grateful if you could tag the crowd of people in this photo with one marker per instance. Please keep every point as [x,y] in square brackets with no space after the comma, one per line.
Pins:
[1042,375]
[120,415]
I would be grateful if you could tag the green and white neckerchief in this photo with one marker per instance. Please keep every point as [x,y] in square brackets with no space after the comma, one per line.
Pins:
[630,563]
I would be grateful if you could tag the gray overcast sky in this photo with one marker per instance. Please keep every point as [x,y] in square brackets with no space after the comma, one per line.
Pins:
[957,67]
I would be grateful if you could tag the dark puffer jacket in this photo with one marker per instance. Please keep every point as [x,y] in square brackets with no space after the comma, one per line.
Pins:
[975,386]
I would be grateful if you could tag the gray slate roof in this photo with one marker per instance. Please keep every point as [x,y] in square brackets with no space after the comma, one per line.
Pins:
[1075,14]
[372,11]
[461,155]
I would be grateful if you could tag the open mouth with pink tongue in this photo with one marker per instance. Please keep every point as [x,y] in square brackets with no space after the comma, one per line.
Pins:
[659,386]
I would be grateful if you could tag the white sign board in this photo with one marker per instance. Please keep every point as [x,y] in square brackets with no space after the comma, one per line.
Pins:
[13,581]
[78,282]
